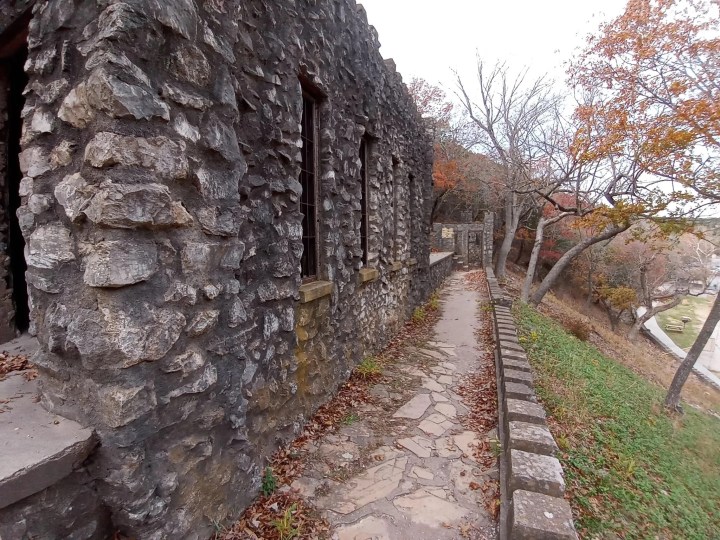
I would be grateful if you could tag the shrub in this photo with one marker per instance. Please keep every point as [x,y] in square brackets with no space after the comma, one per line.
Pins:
[368,368]
[579,329]
[269,482]
[419,314]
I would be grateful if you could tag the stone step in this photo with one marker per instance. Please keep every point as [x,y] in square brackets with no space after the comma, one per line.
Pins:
[534,516]
[537,473]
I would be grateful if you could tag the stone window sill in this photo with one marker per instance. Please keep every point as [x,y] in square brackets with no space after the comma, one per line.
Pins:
[396,266]
[368,274]
[314,290]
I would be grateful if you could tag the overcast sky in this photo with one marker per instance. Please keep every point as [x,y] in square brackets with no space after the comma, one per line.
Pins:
[429,38]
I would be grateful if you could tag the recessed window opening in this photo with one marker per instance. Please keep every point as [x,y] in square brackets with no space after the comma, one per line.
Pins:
[308,181]
[364,150]
[394,206]
[12,59]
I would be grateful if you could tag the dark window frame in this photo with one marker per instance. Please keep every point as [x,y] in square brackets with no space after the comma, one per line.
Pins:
[309,261]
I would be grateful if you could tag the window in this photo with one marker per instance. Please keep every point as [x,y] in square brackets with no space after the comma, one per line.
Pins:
[395,178]
[364,199]
[308,180]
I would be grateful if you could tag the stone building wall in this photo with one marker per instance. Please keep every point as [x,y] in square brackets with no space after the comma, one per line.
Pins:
[467,240]
[160,209]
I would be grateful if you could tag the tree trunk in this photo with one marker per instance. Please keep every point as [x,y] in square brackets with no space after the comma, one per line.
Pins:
[521,251]
[672,400]
[568,257]
[649,314]
[512,217]
[534,254]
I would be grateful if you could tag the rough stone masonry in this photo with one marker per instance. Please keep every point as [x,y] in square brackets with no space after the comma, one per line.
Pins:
[161,156]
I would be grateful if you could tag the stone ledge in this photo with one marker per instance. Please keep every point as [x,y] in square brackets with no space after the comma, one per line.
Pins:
[38,449]
[535,516]
[531,438]
[368,274]
[314,290]
[536,473]
[396,266]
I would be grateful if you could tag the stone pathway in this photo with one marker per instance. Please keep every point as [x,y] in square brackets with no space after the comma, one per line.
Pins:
[402,467]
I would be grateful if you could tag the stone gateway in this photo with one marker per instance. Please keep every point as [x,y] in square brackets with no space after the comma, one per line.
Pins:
[211,211]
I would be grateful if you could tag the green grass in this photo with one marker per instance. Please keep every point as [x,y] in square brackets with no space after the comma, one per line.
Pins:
[692,307]
[632,471]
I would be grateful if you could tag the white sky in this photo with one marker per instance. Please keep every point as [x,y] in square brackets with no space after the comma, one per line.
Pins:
[429,38]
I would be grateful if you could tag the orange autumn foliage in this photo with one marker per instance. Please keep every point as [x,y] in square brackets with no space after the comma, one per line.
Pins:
[653,75]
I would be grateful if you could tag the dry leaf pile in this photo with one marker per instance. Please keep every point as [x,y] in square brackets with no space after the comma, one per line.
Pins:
[11,363]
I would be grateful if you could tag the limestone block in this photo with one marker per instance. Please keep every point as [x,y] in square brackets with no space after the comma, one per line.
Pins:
[119,405]
[222,138]
[49,246]
[120,263]
[535,516]
[531,438]
[186,363]
[34,161]
[75,109]
[524,411]
[537,473]
[135,206]
[106,92]
[206,379]
[517,365]
[165,157]
[203,322]
[190,64]
[511,375]
[74,194]
[514,390]
[314,290]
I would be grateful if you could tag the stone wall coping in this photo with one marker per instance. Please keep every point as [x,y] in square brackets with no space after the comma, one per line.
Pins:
[437,258]
[368,274]
[531,478]
[314,290]
[37,449]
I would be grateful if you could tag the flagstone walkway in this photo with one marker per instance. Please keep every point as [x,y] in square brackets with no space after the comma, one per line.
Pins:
[403,467]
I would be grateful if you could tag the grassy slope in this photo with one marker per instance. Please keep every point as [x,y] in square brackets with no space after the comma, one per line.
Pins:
[694,307]
[632,471]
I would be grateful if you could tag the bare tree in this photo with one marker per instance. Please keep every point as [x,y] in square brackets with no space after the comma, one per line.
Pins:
[509,114]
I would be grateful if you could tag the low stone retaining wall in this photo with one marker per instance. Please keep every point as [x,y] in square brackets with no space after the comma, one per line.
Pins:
[531,477]
[441,266]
